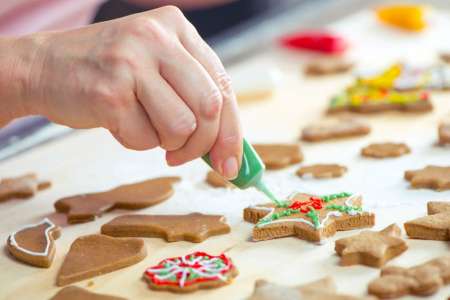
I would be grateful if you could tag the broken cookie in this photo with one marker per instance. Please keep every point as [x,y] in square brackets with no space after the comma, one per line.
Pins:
[422,280]
[98,254]
[25,186]
[308,217]
[371,248]
[316,290]
[339,128]
[189,273]
[35,244]
[194,227]
[216,180]
[77,293]
[278,156]
[322,171]
[384,150]
[432,177]
[85,208]
[435,226]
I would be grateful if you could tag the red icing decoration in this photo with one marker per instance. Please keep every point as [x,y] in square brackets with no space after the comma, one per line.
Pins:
[199,263]
[305,206]
[317,41]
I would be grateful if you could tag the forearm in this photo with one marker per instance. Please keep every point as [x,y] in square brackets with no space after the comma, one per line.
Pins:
[17,57]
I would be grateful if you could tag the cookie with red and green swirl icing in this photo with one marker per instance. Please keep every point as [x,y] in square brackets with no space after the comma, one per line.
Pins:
[184,274]
[309,217]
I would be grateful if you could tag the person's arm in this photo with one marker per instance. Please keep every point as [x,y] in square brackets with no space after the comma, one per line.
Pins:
[147,78]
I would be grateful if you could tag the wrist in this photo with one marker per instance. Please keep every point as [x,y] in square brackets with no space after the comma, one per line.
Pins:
[20,61]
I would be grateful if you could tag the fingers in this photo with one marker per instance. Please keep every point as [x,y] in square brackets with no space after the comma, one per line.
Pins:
[197,89]
[226,153]
[171,117]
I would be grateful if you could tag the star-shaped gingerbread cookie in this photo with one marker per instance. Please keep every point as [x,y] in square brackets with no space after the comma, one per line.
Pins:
[433,177]
[193,227]
[343,127]
[320,171]
[309,217]
[435,226]
[24,186]
[371,248]
[278,156]
[385,150]
[317,290]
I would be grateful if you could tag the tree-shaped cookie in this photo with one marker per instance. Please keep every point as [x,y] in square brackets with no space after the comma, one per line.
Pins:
[309,217]
[193,227]
[85,208]
[191,272]
[278,156]
[25,186]
[323,289]
[422,280]
[34,244]
[435,226]
[371,248]
[97,254]
[77,293]
[433,177]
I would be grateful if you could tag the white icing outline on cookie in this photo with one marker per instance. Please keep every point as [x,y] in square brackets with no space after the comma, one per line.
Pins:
[13,242]
[348,202]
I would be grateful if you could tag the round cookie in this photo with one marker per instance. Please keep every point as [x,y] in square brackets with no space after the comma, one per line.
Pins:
[385,150]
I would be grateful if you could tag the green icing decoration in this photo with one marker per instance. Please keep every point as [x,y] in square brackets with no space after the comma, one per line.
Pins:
[343,208]
[312,214]
[330,197]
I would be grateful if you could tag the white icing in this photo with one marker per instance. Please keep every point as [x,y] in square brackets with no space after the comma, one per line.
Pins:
[13,242]
[348,202]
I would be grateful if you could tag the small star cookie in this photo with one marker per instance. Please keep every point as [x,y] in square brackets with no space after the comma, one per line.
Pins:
[278,156]
[322,171]
[371,248]
[433,177]
[383,150]
[193,227]
[25,186]
[435,226]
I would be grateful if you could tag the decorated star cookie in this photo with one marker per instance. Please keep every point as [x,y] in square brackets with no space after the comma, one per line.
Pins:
[435,226]
[328,66]
[432,177]
[278,156]
[189,273]
[25,186]
[77,293]
[194,227]
[317,290]
[444,132]
[384,150]
[216,180]
[34,244]
[338,128]
[97,254]
[309,217]
[322,171]
[85,208]
[371,248]
[422,280]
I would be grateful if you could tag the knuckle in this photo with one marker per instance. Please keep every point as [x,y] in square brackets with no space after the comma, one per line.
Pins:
[229,141]
[172,12]
[182,127]
[147,28]
[213,103]
[225,85]
[116,56]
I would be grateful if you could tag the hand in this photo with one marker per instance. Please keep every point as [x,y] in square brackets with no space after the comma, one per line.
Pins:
[148,78]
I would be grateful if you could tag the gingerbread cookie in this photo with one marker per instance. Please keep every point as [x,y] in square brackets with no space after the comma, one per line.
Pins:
[328,66]
[76,293]
[335,129]
[216,180]
[189,273]
[85,208]
[322,171]
[309,217]
[444,133]
[422,280]
[25,186]
[432,177]
[371,248]
[278,156]
[435,226]
[194,227]
[317,290]
[384,150]
[35,244]
[98,254]
[445,57]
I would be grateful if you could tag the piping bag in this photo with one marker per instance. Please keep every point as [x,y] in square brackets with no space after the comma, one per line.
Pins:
[251,171]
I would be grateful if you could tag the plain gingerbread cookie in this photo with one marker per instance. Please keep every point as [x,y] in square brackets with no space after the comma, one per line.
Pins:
[385,150]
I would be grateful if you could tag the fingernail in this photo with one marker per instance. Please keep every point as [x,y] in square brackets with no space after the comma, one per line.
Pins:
[230,168]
